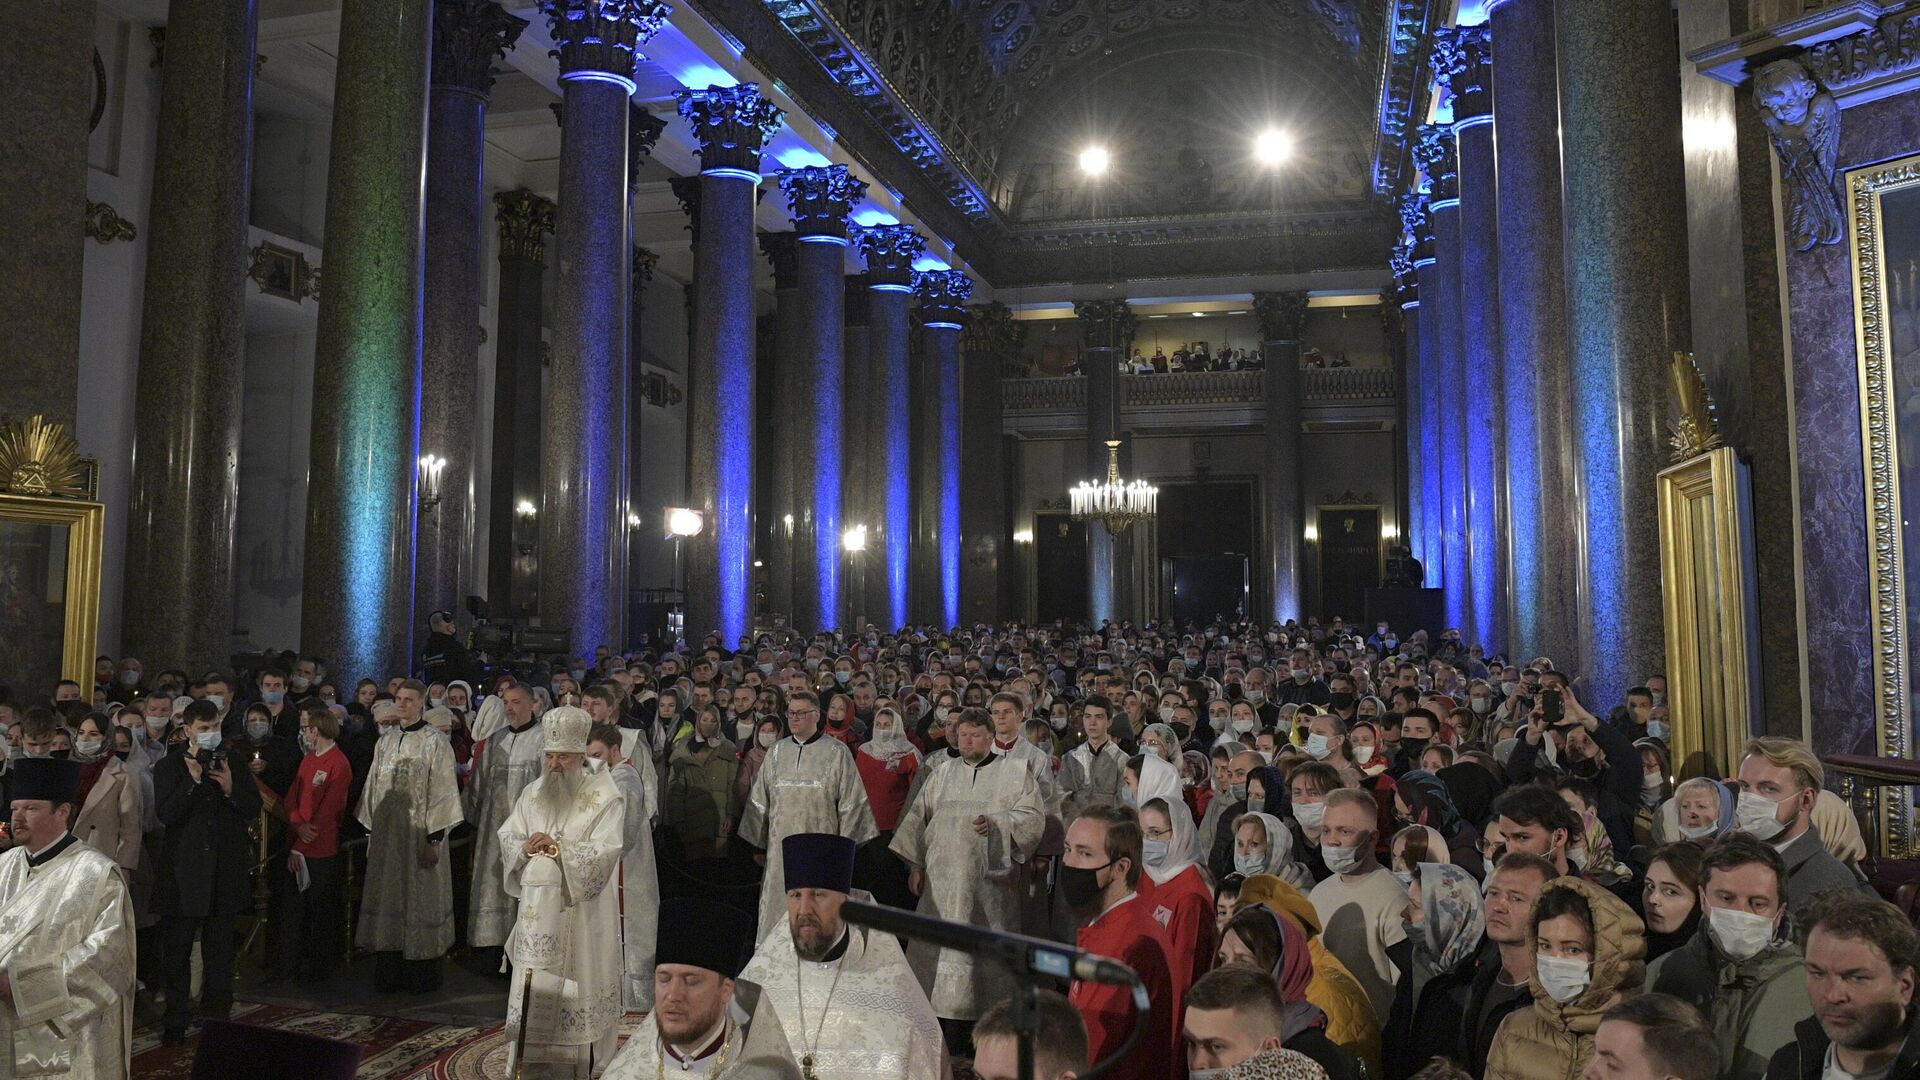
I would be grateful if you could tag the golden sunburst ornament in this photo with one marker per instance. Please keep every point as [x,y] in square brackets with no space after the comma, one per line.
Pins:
[39,458]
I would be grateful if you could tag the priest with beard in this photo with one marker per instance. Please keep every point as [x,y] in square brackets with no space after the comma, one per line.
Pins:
[708,1022]
[509,760]
[850,1005]
[968,839]
[560,849]
[66,938]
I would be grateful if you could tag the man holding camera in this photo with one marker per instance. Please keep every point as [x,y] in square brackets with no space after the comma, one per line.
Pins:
[202,883]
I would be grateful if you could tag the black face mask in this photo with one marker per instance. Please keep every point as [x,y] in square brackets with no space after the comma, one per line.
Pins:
[1413,748]
[1340,700]
[1080,885]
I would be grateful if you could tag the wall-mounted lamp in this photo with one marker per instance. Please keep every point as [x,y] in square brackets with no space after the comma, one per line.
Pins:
[682,521]
[430,468]
[854,539]
[633,521]
[1313,533]
[1023,536]
[1390,533]
[525,508]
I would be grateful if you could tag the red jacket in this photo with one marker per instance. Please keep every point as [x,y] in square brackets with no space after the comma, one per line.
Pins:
[886,785]
[318,797]
[1184,907]
[1129,934]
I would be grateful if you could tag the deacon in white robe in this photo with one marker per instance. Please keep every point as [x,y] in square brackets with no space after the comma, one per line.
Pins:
[968,839]
[559,849]
[707,1022]
[509,761]
[808,783]
[849,1003]
[410,803]
[638,899]
[66,939]
[1009,713]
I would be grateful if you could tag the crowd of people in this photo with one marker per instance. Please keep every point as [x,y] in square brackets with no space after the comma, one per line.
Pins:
[1326,851]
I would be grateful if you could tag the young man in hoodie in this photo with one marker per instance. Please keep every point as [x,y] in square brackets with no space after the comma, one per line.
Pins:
[1742,970]
[1860,958]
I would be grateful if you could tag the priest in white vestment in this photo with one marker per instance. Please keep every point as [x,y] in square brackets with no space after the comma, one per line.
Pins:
[851,1007]
[66,938]
[808,783]
[559,849]
[968,839]
[638,900]
[708,1023]
[410,803]
[509,761]
[1008,711]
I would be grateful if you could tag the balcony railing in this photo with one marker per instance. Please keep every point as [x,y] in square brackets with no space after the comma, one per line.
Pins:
[1068,393]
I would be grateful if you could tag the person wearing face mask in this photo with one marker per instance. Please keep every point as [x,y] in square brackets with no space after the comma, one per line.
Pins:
[1216,830]
[310,934]
[1780,780]
[753,753]
[1099,883]
[1360,904]
[272,759]
[202,880]
[112,803]
[1584,746]
[1446,924]
[1588,950]
[1262,844]
[889,765]
[699,806]
[1742,969]
[444,659]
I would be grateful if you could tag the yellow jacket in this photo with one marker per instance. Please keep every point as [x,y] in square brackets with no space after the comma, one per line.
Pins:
[1550,1041]
[1351,1024]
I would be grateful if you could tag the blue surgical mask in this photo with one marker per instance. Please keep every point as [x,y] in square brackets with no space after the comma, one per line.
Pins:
[208,740]
[273,697]
[1658,728]
[1249,863]
[1153,851]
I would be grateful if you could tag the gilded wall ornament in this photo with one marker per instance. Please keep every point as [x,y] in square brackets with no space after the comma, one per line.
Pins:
[105,224]
[283,272]
[1696,431]
[1804,123]
[40,458]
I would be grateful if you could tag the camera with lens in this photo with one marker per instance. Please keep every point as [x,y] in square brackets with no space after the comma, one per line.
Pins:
[210,760]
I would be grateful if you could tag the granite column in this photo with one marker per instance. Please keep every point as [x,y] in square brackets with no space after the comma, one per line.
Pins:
[1461,58]
[179,575]
[986,532]
[1107,326]
[775,474]
[1406,294]
[645,530]
[358,603]
[1627,312]
[1440,300]
[1281,315]
[731,123]
[1541,479]
[889,252]
[856,467]
[1424,390]
[943,311]
[818,199]
[513,506]
[468,35]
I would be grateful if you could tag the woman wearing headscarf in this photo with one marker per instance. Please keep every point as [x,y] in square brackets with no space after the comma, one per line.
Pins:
[1351,1023]
[1670,898]
[1160,739]
[887,764]
[1263,938]
[491,717]
[1446,921]
[1175,889]
[1422,798]
[1262,844]
[1701,810]
[1656,787]
[1198,782]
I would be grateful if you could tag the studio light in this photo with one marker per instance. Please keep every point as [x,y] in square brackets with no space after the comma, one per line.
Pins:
[1093,160]
[684,522]
[854,539]
[1272,146]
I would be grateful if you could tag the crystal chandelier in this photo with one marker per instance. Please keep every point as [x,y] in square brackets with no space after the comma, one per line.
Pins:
[1114,503]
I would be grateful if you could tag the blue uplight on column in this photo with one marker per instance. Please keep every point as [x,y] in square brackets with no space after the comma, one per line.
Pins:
[943,299]
[889,249]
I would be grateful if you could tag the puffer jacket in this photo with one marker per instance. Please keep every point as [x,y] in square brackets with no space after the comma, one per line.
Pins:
[700,800]
[1752,1004]
[1351,1024]
[1550,1041]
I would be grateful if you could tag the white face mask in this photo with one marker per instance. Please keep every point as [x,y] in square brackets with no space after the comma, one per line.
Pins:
[1650,781]
[1759,815]
[1166,714]
[1309,815]
[1249,863]
[768,738]
[1562,977]
[1243,726]
[219,701]
[1362,755]
[1740,934]
[1340,860]
[1153,851]
[1318,747]
[1695,832]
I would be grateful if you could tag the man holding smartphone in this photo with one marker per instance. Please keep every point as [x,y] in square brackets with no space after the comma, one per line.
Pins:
[1585,747]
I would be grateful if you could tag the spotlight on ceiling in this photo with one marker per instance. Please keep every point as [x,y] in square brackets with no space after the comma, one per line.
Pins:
[1272,146]
[1093,160]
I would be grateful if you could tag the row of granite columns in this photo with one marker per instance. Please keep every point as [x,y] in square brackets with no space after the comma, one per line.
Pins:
[396,364]
[1538,329]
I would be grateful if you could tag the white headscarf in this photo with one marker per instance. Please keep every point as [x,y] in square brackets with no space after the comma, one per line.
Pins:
[1280,860]
[1160,780]
[889,746]
[491,718]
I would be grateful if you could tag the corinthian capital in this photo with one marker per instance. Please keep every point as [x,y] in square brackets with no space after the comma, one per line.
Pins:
[1281,314]
[525,220]
[782,250]
[1106,324]
[889,251]
[1433,150]
[601,37]
[468,36]
[732,123]
[1418,222]
[1462,58]
[943,298]
[818,198]
[992,330]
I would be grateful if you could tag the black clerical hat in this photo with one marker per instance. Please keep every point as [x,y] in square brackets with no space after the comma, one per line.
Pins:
[818,861]
[56,780]
[704,934]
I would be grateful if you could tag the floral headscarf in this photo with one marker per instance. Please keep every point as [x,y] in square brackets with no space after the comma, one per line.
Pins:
[1199,768]
[1280,860]
[1432,804]
[1455,917]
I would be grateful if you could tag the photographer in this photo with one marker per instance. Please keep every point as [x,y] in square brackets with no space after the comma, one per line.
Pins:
[202,880]
[1562,736]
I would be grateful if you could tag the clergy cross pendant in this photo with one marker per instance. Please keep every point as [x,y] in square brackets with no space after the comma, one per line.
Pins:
[806,1068]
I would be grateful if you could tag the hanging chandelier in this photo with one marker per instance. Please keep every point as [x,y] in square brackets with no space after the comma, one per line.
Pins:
[1114,503]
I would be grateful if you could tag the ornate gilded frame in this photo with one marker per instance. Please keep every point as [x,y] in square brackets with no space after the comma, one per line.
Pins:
[1709,611]
[1880,453]
[86,522]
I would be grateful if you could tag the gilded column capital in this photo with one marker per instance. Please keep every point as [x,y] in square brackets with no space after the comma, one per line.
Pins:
[782,250]
[643,133]
[525,220]
[1105,324]
[943,298]
[819,198]
[468,36]
[889,251]
[1462,58]
[992,330]
[601,37]
[731,124]
[1281,314]
[1433,149]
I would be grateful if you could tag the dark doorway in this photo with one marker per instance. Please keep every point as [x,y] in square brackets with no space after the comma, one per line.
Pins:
[1349,559]
[1201,588]
[1060,561]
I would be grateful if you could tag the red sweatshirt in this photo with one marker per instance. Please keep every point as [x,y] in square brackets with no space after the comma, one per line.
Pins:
[1129,934]
[318,797]
[1184,906]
